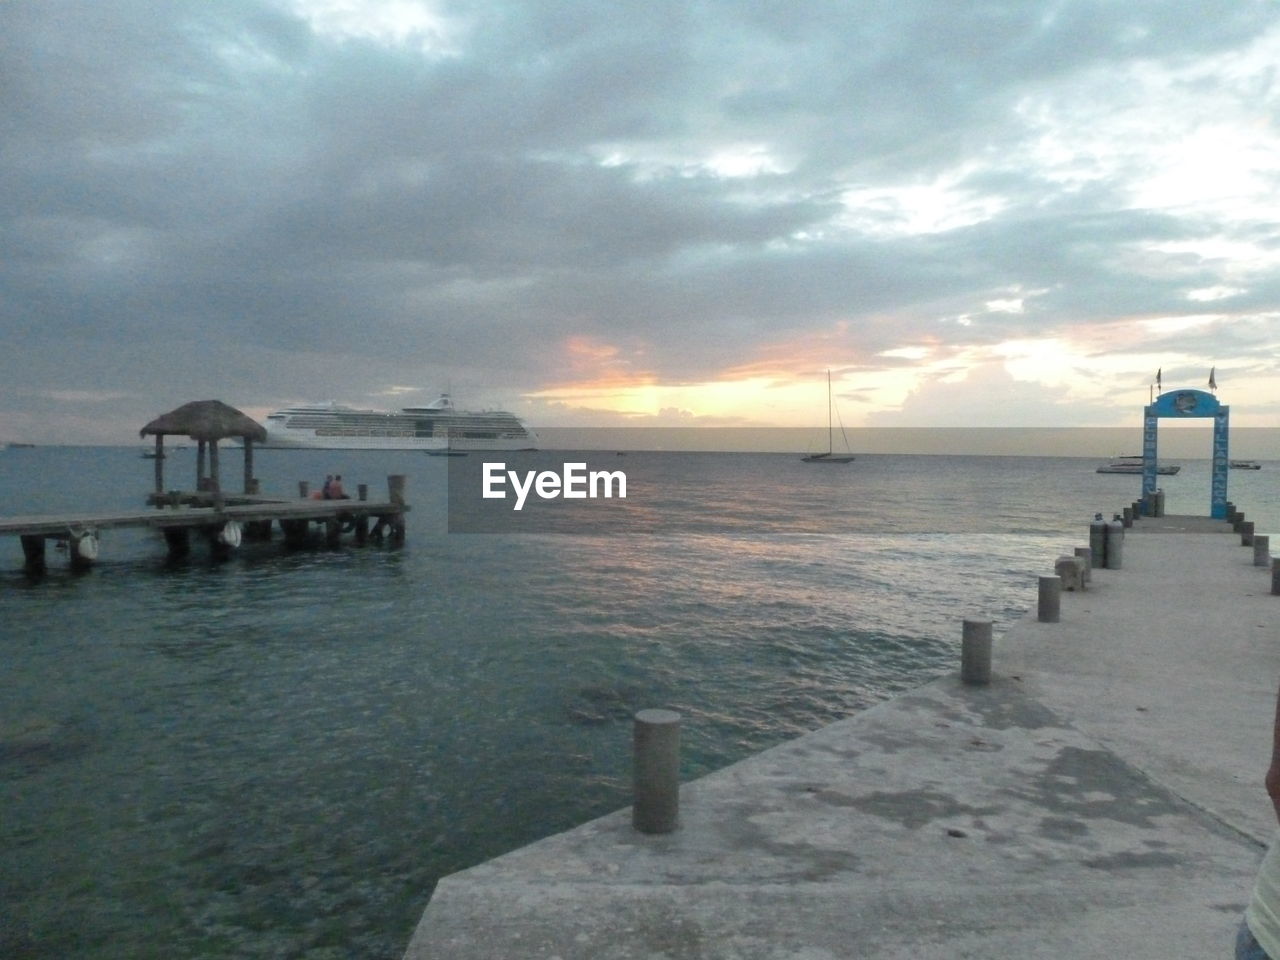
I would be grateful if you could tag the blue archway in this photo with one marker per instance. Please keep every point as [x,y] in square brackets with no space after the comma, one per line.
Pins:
[1185,404]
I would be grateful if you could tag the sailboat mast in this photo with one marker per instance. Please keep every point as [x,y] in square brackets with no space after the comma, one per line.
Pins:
[830,441]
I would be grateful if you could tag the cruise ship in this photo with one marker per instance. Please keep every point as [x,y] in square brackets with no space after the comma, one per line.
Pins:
[437,426]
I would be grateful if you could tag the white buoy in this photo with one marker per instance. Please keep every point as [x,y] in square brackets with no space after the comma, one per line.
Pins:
[87,547]
[230,534]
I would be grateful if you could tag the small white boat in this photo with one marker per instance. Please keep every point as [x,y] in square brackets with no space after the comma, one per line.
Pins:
[1134,465]
[1244,465]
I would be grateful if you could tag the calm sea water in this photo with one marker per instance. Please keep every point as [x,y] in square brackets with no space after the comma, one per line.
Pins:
[278,755]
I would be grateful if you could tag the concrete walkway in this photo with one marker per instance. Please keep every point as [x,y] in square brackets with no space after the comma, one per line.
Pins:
[1101,798]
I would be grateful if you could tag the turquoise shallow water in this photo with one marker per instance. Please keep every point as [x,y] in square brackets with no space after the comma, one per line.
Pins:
[278,755]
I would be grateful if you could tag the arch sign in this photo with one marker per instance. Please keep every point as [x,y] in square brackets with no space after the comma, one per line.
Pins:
[1184,404]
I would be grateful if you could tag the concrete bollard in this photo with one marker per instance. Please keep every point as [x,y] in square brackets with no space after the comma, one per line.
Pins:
[1050,606]
[1160,502]
[1261,550]
[975,652]
[1246,533]
[1086,555]
[304,489]
[1137,510]
[1127,517]
[362,491]
[1115,544]
[1097,542]
[1237,519]
[656,771]
[1070,571]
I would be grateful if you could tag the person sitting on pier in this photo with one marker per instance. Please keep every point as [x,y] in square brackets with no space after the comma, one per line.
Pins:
[335,491]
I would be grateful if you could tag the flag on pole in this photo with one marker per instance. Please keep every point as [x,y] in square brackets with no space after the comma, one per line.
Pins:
[1213,384]
[1158,378]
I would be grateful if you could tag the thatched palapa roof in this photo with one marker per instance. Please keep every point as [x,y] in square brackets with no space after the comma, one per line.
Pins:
[206,420]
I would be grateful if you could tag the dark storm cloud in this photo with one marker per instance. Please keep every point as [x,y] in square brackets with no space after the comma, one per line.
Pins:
[231,180]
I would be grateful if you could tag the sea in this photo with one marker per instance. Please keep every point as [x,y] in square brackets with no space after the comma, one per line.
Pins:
[277,754]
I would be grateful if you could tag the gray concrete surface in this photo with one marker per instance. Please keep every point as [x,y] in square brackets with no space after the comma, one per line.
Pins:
[1101,798]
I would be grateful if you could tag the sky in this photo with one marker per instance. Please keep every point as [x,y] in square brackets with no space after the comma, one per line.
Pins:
[1004,213]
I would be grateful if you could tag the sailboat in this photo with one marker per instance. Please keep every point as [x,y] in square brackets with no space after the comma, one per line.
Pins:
[830,456]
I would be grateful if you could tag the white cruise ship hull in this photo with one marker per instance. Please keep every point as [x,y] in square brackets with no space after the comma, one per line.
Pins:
[439,426]
[309,440]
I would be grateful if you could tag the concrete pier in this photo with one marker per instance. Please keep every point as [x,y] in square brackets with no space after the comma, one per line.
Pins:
[1101,797]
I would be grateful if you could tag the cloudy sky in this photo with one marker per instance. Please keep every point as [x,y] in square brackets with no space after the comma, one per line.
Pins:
[1009,212]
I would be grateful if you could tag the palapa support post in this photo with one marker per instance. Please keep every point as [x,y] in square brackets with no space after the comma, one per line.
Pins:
[250,484]
[159,469]
[656,771]
[201,458]
[215,479]
[975,652]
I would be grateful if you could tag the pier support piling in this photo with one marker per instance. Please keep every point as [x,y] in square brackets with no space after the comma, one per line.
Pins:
[295,532]
[975,652]
[656,771]
[1049,608]
[178,540]
[33,553]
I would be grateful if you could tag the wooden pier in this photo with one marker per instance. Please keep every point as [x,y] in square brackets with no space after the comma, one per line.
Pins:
[223,521]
